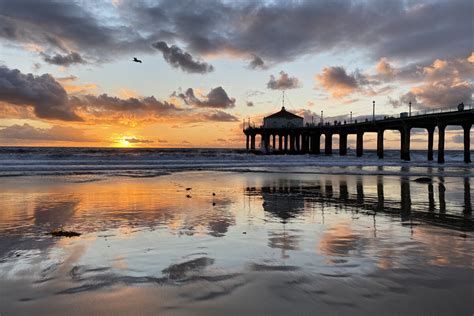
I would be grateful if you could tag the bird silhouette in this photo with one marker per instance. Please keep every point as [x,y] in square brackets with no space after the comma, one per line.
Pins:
[137,60]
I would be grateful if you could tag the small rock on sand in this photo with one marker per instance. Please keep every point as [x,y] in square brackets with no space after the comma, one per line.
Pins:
[423,180]
[64,233]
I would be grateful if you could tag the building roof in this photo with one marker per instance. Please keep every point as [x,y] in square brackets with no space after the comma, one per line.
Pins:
[283,114]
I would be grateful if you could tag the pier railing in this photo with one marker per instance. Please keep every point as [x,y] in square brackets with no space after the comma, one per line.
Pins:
[370,118]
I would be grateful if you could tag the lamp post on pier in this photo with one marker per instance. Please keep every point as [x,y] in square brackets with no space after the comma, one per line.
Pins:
[373,110]
[351,118]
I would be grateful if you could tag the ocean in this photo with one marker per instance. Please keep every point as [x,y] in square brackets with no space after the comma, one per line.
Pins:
[144,162]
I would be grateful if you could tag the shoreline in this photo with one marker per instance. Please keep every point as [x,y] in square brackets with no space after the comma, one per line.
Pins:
[236,242]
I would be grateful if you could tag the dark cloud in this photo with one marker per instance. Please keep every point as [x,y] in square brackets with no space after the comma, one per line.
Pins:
[61,27]
[47,97]
[179,59]
[216,98]
[249,103]
[257,63]
[128,111]
[220,116]
[276,31]
[134,140]
[283,82]
[49,100]
[27,132]
[63,60]
[281,31]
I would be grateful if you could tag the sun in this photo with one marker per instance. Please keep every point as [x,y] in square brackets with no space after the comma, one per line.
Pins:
[123,142]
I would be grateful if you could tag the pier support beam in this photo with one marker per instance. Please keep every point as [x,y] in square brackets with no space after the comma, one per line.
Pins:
[467,142]
[304,145]
[328,144]
[405,143]
[252,142]
[430,142]
[247,142]
[380,144]
[285,145]
[292,143]
[274,142]
[316,144]
[441,134]
[266,141]
[280,142]
[342,144]
[360,144]
[298,143]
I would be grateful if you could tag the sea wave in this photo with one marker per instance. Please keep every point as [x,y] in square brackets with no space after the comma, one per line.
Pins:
[138,162]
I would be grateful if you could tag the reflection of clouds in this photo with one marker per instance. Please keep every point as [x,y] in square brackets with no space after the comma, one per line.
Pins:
[128,206]
[285,241]
[181,270]
[339,240]
[444,250]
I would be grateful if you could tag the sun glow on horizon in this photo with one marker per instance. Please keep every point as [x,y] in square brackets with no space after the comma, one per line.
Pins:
[123,142]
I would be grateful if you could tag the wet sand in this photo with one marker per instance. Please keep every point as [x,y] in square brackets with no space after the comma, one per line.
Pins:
[255,243]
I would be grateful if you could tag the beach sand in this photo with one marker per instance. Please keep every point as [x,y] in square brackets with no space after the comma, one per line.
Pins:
[201,243]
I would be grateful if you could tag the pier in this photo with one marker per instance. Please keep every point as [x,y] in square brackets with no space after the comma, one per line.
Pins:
[307,139]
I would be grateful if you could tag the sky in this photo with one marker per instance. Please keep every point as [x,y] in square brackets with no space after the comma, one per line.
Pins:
[67,77]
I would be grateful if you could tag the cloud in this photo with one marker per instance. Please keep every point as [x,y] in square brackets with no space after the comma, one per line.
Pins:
[179,59]
[47,97]
[257,63]
[220,116]
[443,83]
[216,98]
[337,82]
[63,60]
[283,82]
[134,140]
[96,107]
[274,31]
[384,69]
[249,103]
[446,93]
[27,132]
[30,96]
[282,31]
[458,139]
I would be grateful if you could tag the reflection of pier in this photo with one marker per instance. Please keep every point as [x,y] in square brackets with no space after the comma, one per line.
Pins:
[289,201]
[307,139]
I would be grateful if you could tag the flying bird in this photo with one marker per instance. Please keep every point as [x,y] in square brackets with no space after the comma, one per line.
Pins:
[137,60]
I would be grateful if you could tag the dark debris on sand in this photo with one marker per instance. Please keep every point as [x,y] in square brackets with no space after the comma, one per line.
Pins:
[423,180]
[64,233]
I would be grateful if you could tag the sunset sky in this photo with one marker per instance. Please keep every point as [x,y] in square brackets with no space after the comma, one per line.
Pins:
[67,77]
